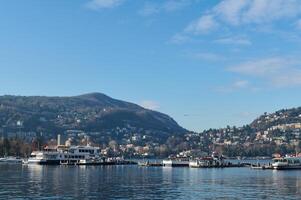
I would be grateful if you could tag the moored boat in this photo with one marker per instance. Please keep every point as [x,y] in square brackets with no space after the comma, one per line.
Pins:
[150,164]
[62,154]
[10,159]
[287,162]
[214,160]
[198,163]
[176,162]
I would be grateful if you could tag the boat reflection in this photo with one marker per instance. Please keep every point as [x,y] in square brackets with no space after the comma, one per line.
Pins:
[134,182]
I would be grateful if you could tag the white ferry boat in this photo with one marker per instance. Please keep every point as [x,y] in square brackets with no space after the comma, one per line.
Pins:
[287,162]
[65,155]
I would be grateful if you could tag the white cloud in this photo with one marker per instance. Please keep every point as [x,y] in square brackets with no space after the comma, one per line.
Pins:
[234,40]
[247,114]
[179,39]
[203,25]
[236,85]
[241,84]
[149,104]
[244,12]
[252,15]
[260,67]
[151,8]
[208,56]
[102,4]
[230,10]
[262,11]
[275,71]
[173,5]
[265,67]
[290,78]
[237,12]
[298,24]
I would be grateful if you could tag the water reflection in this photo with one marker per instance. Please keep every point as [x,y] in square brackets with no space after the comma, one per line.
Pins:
[133,182]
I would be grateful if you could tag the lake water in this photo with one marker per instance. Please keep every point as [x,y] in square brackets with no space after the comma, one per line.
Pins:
[134,182]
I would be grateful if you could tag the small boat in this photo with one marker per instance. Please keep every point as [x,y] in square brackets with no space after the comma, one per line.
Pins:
[264,166]
[198,164]
[10,159]
[25,161]
[149,164]
[143,163]
[257,167]
[176,162]
[214,160]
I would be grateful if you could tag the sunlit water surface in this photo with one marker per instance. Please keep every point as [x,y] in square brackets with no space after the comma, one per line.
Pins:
[134,182]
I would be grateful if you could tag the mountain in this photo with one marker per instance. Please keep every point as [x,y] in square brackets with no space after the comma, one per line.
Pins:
[94,112]
[277,132]
[280,117]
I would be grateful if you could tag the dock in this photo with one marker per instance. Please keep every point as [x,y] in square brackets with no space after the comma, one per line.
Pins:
[261,167]
[150,164]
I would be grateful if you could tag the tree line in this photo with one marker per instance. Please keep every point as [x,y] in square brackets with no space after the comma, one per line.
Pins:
[18,147]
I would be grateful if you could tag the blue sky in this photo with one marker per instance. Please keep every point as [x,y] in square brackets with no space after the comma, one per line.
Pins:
[207,63]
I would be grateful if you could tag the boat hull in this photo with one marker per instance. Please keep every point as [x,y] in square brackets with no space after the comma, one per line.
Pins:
[10,160]
[43,162]
[287,167]
[175,163]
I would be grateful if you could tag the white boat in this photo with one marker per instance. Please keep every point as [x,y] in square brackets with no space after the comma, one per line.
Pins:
[287,162]
[65,155]
[10,159]
[198,163]
[176,162]
[210,161]
[206,162]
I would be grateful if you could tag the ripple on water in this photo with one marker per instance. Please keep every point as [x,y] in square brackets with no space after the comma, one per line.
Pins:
[133,182]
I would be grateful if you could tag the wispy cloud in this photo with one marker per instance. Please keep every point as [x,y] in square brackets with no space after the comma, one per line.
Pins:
[240,84]
[206,56]
[235,86]
[275,71]
[152,8]
[262,67]
[234,41]
[149,9]
[180,39]
[234,13]
[229,10]
[149,104]
[298,24]
[247,114]
[238,12]
[203,25]
[102,4]
[173,5]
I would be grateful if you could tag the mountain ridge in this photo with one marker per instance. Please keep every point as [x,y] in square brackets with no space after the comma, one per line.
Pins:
[91,112]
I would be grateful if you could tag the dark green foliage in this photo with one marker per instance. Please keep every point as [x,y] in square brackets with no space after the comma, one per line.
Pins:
[14,147]
[94,112]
